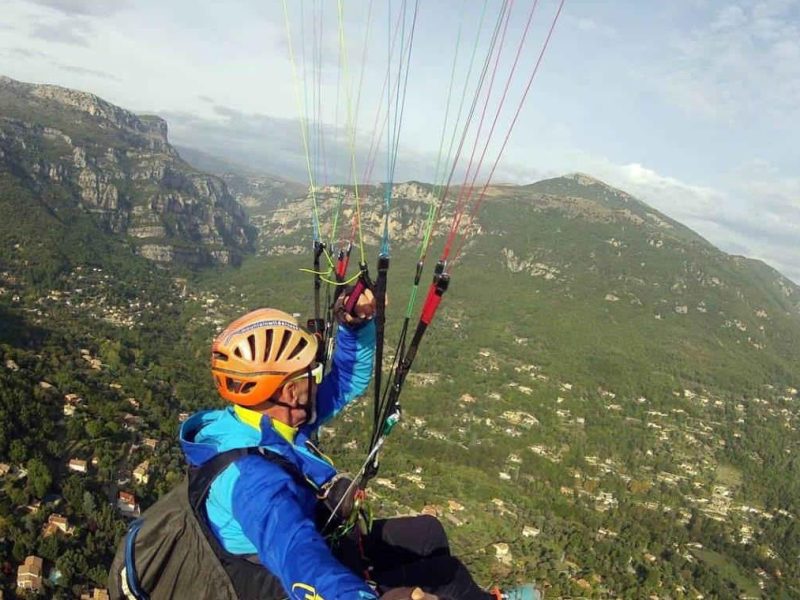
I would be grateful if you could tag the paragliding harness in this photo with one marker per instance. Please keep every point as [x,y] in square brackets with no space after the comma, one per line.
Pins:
[171,547]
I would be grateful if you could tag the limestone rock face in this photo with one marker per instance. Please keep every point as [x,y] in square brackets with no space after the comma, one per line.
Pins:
[120,167]
[153,128]
[286,228]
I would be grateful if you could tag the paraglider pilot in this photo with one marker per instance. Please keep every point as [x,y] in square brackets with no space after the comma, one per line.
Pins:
[264,365]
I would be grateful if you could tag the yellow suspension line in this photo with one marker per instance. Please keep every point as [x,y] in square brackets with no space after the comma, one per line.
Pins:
[331,281]
[303,126]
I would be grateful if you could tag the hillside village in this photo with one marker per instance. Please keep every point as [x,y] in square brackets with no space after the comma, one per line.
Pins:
[695,477]
[683,471]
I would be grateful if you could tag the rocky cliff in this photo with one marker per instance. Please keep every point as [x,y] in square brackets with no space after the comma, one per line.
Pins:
[80,149]
[285,227]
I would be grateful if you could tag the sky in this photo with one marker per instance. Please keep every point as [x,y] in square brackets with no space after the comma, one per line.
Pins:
[693,106]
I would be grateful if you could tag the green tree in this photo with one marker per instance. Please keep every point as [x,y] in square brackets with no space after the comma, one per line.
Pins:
[48,547]
[73,489]
[23,545]
[75,429]
[5,525]
[71,563]
[98,575]
[39,477]
[18,496]
[18,452]
[109,353]
[94,429]
[89,504]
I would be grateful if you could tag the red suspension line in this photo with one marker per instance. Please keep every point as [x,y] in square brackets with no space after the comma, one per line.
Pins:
[468,121]
[462,193]
[476,206]
[468,190]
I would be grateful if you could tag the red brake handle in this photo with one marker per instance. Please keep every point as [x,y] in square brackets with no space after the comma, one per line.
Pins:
[352,299]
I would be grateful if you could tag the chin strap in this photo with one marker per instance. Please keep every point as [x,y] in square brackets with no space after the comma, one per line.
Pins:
[310,408]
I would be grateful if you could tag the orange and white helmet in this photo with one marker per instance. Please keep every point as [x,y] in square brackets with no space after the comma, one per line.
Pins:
[257,353]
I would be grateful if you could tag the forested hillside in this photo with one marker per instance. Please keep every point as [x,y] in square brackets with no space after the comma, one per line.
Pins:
[606,403]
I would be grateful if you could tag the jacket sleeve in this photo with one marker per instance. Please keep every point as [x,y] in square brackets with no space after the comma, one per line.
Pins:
[351,370]
[267,504]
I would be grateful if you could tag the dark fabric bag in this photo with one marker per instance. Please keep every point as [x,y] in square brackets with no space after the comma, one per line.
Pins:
[171,552]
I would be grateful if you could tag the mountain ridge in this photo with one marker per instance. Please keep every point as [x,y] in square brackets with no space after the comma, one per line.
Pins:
[119,167]
[559,194]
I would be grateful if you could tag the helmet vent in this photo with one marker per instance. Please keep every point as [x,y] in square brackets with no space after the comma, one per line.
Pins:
[247,387]
[297,349]
[238,352]
[268,345]
[232,385]
[284,341]
[219,356]
[251,339]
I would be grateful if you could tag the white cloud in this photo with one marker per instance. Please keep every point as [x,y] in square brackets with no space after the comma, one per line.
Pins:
[680,200]
[274,145]
[756,214]
[744,63]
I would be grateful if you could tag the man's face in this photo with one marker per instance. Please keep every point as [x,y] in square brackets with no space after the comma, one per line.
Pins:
[302,392]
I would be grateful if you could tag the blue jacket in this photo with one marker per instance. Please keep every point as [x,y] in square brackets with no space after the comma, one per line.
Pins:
[256,507]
